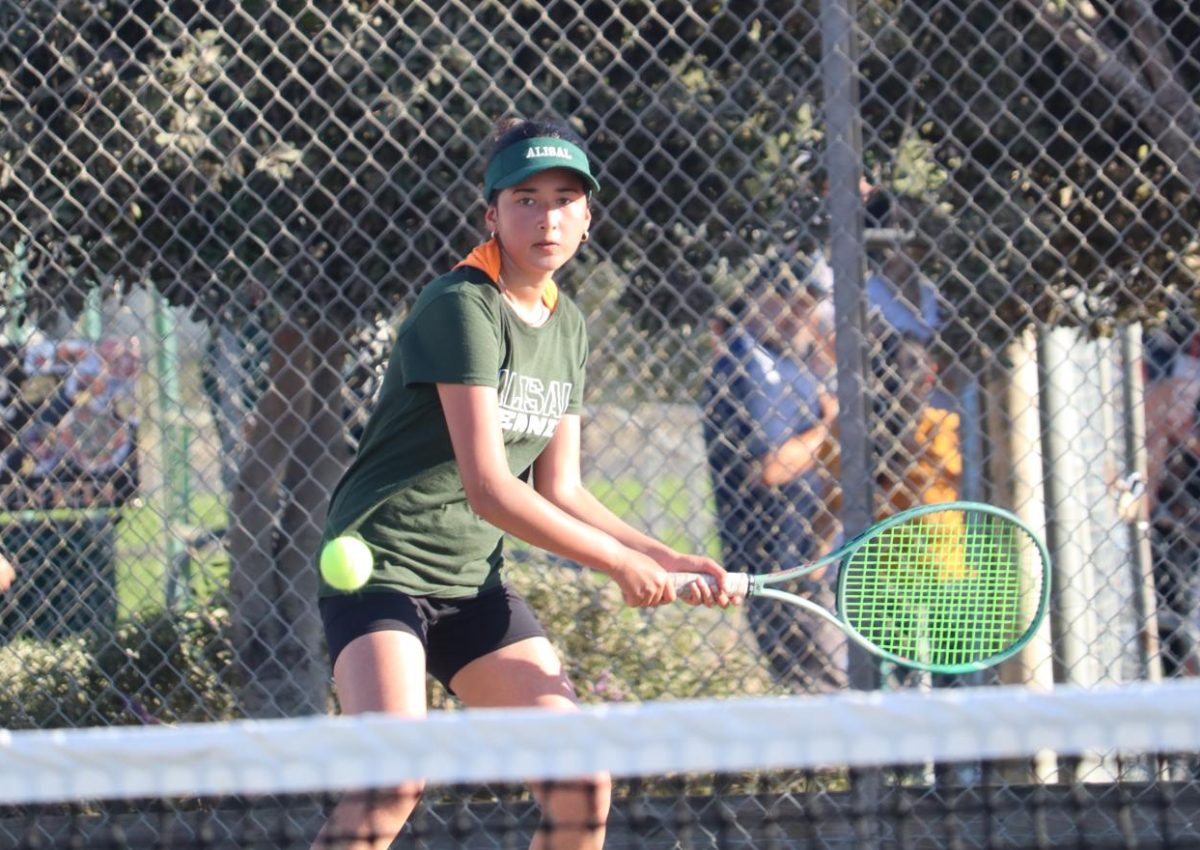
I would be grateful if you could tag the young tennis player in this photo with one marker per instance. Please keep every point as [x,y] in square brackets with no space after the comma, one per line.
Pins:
[477,432]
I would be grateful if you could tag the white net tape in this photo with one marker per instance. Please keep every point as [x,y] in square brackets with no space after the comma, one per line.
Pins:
[849,729]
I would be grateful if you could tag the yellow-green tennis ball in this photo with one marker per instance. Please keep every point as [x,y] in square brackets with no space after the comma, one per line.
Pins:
[346,563]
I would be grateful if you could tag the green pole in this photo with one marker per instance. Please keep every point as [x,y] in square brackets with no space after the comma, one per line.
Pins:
[173,451]
[93,314]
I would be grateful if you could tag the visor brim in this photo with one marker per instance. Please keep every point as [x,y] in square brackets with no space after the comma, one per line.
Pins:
[522,174]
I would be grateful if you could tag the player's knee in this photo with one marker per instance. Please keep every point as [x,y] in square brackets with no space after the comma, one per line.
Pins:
[403,796]
[582,802]
[598,790]
[370,818]
[389,808]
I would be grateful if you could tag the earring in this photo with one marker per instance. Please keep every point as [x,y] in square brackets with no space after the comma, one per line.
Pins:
[585,237]
[493,234]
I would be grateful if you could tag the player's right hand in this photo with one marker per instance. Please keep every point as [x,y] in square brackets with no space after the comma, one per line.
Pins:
[643,583]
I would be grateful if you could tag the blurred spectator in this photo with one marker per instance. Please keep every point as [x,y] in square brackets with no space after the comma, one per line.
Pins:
[766,415]
[15,414]
[821,355]
[916,434]
[7,574]
[922,461]
[1173,463]
[1173,349]
[901,300]
[918,458]
[16,409]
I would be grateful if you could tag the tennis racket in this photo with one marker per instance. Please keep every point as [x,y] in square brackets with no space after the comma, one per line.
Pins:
[947,588]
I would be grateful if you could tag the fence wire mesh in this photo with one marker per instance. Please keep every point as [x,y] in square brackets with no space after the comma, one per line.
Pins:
[216,214]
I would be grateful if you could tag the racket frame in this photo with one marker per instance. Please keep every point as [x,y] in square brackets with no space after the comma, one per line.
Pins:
[762,585]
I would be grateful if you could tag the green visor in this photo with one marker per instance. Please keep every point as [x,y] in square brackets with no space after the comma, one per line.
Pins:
[529,156]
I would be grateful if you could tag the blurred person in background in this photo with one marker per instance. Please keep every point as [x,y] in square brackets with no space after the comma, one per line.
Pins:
[1173,464]
[768,409]
[921,461]
[901,300]
[15,414]
[916,442]
[1173,348]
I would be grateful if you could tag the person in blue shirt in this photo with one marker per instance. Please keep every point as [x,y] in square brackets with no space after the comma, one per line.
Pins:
[767,417]
[902,300]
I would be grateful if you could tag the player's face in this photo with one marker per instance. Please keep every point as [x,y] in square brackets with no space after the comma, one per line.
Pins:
[541,221]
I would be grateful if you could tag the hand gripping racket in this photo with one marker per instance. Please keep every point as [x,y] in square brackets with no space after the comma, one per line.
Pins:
[948,588]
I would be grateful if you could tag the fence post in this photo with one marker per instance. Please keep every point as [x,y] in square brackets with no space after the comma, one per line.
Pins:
[1017,464]
[93,314]
[844,164]
[172,448]
[1138,526]
[1072,620]
[843,161]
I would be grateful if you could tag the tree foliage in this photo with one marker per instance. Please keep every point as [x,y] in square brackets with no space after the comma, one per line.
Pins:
[1071,168]
[329,153]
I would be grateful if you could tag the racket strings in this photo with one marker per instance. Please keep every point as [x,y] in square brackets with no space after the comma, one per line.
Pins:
[944,589]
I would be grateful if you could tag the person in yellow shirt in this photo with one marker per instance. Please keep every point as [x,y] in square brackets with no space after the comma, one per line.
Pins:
[919,455]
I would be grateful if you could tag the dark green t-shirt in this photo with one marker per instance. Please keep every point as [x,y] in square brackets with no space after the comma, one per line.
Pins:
[402,493]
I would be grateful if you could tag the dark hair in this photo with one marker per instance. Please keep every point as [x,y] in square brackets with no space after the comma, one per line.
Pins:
[510,130]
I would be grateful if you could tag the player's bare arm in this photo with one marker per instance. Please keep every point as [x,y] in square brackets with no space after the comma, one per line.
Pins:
[472,415]
[557,476]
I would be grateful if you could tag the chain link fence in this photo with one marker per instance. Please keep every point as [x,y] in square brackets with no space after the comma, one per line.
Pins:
[214,216]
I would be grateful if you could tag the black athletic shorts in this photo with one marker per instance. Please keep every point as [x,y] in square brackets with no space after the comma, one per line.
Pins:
[454,632]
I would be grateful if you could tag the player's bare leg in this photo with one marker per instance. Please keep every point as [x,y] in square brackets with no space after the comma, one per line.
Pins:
[530,674]
[370,820]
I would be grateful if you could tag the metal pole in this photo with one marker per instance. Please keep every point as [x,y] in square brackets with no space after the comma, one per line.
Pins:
[971,435]
[1020,473]
[839,70]
[1072,618]
[93,314]
[1138,527]
[843,162]
[174,462]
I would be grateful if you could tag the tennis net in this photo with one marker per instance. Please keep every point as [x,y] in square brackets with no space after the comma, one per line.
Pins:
[946,768]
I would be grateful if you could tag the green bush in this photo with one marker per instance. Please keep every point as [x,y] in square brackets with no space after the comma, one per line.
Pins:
[171,667]
[160,668]
[615,653]
[47,684]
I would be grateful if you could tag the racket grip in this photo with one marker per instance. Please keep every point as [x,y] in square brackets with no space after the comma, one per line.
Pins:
[737,584]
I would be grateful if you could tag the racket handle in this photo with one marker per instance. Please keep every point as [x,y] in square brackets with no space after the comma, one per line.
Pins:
[738,584]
